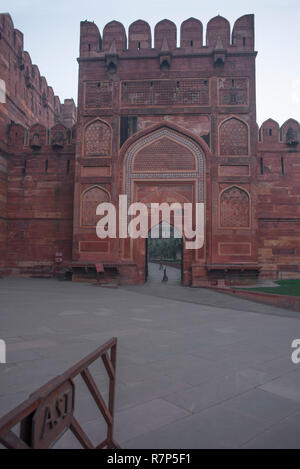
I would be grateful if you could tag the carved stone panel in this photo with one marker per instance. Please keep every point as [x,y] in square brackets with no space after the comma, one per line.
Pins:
[98,94]
[233,91]
[97,139]
[233,138]
[165,92]
[165,155]
[89,202]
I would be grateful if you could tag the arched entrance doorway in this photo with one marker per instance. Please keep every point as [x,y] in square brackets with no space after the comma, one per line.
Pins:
[163,164]
[164,255]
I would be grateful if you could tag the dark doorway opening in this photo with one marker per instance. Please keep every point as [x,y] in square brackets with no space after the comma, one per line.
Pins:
[164,254]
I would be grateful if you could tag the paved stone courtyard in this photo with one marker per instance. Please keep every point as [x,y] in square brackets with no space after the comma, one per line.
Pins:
[195,368]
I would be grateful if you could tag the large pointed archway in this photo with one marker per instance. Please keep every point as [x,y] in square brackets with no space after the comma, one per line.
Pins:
[163,164]
[164,255]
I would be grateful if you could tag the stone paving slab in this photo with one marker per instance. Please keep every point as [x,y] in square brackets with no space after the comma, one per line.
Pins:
[215,427]
[218,389]
[287,386]
[284,435]
[195,369]
[263,405]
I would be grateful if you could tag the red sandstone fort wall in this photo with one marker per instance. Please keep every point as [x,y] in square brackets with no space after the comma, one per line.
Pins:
[40,199]
[200,95]
[3,212]
[23,185]
[202,91]
[278,187]
[29,99]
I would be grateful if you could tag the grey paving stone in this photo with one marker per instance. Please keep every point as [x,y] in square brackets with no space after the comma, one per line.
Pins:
[86,410]
[216,427]
[146,417]
[20,356]
[180,350]
[264,406]
[283,435]
[217,390]
[278,367]
[287,386]
[130,394]
[192,370]
[29,345]
[250,351]
[68,440]
[11,400]
[134,373]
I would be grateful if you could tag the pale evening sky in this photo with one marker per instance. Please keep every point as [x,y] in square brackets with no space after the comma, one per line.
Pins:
[51,36]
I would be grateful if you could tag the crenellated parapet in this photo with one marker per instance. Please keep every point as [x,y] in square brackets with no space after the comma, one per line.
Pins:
[139,36]
[37,138]
[28,97]
[31,81]
[278,210]
[218,37]
[191,34]
[218,33]
[243,33]
[288,134]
